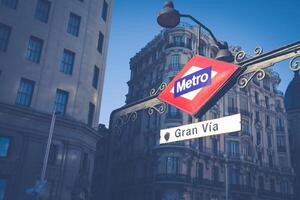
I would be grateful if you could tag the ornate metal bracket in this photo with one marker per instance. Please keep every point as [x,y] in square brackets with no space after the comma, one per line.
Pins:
[129,113]
[255,66]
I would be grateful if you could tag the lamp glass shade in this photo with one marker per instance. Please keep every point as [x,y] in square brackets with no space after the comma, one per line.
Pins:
[168,17]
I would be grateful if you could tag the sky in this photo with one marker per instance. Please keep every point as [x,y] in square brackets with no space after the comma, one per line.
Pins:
[269,24]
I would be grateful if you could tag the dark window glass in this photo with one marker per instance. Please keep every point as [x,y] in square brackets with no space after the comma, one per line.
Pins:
[215,173]
[178,41]
[96,77]
[234,175]
[85,161]
[175,62]
[172,165]
[74,24]
[100,42]
[173,112]
[258,137]
[25,92]
[42,10]
[261,184]
[2,188]
[233,149]
[67,62]
[4,36]
[53,154]
[34,49]
[61,101]
[4,146]
[10,3]
[200,170]
[272,183]
[91,114]
[104,10]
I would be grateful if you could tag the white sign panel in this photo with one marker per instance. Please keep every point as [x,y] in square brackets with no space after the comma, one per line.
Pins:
[227,124]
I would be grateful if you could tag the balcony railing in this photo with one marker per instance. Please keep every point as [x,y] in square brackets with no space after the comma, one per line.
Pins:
[279,128]
[181,44]
[207,182]
[245,112]
[173,178]
[232,110]
[241,188]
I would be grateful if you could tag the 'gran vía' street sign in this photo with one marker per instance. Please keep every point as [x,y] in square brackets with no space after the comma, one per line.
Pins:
[201,129]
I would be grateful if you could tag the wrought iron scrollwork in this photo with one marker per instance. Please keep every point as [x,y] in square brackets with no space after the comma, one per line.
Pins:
[294,64]
[161,87]
[258,51]
[244,79]
[160,108]
[240,56]
[124,119]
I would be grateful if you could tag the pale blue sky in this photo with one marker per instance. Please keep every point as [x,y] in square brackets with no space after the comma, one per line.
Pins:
[245,23]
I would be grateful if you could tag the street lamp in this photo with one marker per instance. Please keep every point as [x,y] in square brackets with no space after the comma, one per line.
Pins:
[169,17]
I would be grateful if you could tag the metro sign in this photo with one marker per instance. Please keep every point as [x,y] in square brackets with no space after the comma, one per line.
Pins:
[200,83]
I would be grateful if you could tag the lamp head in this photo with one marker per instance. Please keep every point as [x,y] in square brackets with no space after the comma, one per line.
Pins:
[224,54]
[168,17]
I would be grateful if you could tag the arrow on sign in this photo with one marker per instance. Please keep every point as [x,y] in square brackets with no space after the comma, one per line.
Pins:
[227,124]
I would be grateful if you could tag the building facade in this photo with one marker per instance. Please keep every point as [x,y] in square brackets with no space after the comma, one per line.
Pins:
[257,159]
[52,57]
[292,106]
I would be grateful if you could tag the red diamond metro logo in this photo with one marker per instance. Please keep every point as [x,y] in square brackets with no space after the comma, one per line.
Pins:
[198,81]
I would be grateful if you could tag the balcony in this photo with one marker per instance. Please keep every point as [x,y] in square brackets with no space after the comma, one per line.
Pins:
[232,110]
[279,128]
[181,178]
[206,182]
[245,112]
[241,188]
[234,156]
[181,44]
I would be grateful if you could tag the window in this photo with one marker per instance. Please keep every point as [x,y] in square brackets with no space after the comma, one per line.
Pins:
[34,49]
[4,36]
[269,140]
[257,118]
[245,128]
[281,143]
[74,24]
[267,102]
[100,42]
[85,161]
[61,100]
[10,4]
[199,170]
[91,114]
[233,149]
[104,10]
[234,176]
[4,146]
[261,183]
[215,174]
[67,62]
[173,112]
[96,77]
[258,137]
[272,183]
[271,161]
[175,62]
[53,154]
[25,92]
[2,188]
[178,41]
[215,146]
[42,10]
[200,144]
[172,165]
[256,98]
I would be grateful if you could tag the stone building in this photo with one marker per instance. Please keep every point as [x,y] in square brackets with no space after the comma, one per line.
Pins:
[292,106]
[52,56]
[257,157]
